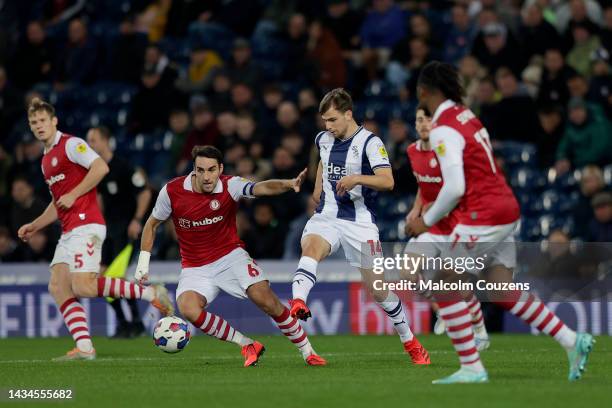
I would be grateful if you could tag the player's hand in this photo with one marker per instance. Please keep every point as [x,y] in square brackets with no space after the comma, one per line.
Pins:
[142,268]
[412,215]
[26,231]
[299,180]
[134,229]
[66,201]
[416,227]
[346,184]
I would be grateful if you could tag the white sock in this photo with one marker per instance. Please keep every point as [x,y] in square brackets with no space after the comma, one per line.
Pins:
[305,278]
[394,309]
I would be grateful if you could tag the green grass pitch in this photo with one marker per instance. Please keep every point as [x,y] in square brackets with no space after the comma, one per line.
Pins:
[363,371]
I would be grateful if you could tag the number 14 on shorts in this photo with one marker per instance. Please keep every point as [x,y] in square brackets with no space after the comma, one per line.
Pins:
[375,247]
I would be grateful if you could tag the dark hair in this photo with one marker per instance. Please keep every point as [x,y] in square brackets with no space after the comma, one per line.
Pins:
[336,98]
[38,105]
[21,177]
[104,132]
[424,109]
[207,151]
[444,78]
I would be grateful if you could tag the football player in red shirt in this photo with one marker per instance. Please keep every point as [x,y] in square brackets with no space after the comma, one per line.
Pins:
[488,214]
[426,170]
[203,206]
[72,170]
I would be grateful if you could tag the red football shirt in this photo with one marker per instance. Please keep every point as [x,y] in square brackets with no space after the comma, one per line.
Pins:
[426,170]
[458,138]
[64,166]
[205,223]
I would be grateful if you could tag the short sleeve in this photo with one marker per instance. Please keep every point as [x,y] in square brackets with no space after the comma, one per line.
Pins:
[79,152]
[448,144]
[376,153]
[240,187]
[163,207]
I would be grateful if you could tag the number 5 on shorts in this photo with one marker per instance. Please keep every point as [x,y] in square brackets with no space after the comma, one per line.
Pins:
[78,261]
[253,271]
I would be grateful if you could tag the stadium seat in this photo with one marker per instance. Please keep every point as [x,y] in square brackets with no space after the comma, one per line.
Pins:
[527,178]
[213,36]
[607,172]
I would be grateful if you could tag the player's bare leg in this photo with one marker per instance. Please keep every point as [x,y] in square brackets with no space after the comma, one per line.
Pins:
[534,312]
[262,295]
[88,284]
[74,315]
[392,305]
[192,306]
[314,249]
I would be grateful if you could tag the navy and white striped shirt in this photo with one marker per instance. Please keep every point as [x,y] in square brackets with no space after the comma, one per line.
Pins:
[361,153]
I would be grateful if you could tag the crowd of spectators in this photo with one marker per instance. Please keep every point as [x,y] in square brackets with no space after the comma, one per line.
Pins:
[247,75]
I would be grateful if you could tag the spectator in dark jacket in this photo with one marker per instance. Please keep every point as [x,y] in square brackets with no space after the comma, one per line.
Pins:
[600,228]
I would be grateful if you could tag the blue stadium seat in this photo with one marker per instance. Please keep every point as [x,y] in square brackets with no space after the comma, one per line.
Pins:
[213,36]
[565,182]
[527,178]
[515,153]
[607,172]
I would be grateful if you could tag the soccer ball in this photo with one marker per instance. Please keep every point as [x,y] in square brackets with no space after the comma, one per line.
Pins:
[171,334]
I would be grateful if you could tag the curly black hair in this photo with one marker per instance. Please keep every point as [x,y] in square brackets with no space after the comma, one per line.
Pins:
[444,78]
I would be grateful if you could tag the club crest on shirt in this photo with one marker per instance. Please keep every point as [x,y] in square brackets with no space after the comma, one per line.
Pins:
[184,223]
[355,150]
[214,205]
[433,163]
[441,149]
[54,162]
[81,148]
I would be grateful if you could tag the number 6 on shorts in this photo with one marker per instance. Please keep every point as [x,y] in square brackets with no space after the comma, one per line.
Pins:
[253,271]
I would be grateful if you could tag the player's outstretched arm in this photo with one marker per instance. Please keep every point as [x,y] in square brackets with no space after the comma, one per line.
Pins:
[318,188]
[47,217]
[96,173]
[146,245]
[382,180]
[276,187]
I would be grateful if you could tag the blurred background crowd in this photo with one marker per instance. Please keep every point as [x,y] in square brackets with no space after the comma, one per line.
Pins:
[247,75]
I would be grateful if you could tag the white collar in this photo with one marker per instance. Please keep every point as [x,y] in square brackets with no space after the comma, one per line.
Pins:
[189,187]
[419,146]
[441,108]
[58,135]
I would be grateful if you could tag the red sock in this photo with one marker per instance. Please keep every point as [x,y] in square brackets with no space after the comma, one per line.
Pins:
[292,329]
[119,288]
[216,326]
[534,312]
[458,321]
[475,310]
[76,322]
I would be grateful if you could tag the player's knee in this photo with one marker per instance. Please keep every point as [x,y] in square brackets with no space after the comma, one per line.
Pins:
[54,288]
[84,286]
[189,307]
[78,288]
[314,249]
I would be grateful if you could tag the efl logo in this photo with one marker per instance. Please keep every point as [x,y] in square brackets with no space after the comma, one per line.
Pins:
[54,179]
